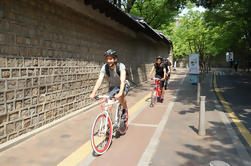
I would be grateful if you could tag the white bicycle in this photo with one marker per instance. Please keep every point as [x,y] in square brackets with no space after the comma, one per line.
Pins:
[103,128]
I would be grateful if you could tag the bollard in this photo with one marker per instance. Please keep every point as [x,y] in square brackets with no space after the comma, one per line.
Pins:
[202,130]
[218,163]
[198,93]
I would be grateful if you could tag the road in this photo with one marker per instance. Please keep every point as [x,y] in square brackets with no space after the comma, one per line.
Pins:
[235,87]
[166,135]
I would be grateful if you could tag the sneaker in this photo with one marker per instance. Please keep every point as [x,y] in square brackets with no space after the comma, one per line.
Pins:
[124,114]
[158,99]
[161,100]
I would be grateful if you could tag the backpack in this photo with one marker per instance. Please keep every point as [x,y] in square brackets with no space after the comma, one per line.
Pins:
[127,84]
[107,71]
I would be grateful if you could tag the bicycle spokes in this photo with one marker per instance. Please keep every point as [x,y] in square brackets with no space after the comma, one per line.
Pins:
[101,134]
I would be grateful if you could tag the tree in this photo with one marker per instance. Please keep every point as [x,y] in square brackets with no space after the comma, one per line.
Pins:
[157,12]
[191,35]
[234,18]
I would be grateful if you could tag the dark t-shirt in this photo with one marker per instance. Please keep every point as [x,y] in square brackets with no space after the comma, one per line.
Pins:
[166,66]
[159,70]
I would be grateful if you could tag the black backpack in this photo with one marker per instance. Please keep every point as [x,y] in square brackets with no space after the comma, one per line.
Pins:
[107,71]
[127,84]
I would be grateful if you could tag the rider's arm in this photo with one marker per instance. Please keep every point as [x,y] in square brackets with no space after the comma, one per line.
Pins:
[97,85]
[164,73]
[150,74]
[122,81]
[170,68]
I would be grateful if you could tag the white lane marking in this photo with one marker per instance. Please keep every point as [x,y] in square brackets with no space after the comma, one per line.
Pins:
[143,125]
[152,146]
[90,158]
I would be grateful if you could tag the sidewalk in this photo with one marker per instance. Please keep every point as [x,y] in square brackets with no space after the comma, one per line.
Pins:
[180,145]
[50,147]
[165,135]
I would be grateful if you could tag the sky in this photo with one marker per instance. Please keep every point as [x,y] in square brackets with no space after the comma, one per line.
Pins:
[184,11]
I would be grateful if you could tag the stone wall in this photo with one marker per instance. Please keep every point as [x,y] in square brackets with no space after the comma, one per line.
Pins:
[50,57]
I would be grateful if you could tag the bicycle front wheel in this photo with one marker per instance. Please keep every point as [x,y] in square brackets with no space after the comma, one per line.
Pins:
[153,97]
[101,136]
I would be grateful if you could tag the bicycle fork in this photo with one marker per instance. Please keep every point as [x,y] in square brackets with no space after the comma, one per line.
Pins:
[103,126]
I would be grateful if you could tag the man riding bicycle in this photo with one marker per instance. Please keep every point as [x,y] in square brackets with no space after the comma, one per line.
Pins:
[160,72]
[116,75]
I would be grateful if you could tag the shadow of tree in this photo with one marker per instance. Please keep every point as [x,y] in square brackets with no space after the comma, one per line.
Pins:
[189,148]
[215,146]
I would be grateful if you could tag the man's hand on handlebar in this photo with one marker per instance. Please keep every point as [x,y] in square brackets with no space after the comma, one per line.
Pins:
[92,95]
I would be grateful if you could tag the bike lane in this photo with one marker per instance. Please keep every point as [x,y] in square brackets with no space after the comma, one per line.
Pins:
[55,144]
[51,146]
[142,135]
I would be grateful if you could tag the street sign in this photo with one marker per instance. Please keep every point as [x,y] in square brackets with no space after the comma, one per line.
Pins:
[229,56]
[194,64]
[193,68]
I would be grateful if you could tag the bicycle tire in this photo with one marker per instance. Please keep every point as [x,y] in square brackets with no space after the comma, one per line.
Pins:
[124,123]
[153,97]
[104,138]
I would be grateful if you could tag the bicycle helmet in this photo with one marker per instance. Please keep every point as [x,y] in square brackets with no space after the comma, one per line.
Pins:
[159,57]
[111,52]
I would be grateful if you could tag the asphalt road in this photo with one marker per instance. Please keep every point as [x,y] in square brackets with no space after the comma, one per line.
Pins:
[236,90]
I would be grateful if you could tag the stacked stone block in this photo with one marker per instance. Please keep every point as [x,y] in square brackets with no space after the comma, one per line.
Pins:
[36,91]
[50,58]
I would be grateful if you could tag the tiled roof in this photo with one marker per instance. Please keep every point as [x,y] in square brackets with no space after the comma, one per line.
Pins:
[135,23]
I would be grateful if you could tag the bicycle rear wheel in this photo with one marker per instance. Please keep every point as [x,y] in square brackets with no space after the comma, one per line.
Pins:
[123,122]
[101,136]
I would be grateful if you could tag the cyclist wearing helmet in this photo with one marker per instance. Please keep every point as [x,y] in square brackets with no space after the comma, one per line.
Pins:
[168,70]
[160,72]
[169,64]
[115,78]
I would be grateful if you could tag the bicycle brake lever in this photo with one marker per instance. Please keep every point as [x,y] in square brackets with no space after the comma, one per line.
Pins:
[96,97]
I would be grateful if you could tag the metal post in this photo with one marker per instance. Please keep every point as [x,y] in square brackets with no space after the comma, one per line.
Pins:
[218,163]
[198,92]
[202,130]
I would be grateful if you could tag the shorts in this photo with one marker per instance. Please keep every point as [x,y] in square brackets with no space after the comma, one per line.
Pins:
[113,90]
[161,81]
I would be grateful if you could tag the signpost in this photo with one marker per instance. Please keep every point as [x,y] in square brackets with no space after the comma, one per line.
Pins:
[193,68]
[229,56]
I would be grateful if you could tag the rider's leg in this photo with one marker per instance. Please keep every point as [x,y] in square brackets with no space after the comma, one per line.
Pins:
[122,101]
[162,90]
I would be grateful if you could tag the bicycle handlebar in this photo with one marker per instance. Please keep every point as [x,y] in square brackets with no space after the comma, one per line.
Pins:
[103,97]
[157,79]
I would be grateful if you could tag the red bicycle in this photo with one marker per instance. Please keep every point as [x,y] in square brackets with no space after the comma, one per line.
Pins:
[156,92]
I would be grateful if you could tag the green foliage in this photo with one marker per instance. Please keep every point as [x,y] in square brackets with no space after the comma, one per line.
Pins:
[157,13]
[225,26]
[234,18]
[190,35]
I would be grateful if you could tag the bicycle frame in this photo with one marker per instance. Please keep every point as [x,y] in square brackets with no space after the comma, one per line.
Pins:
[157,88]
[106,112]
[107,127]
